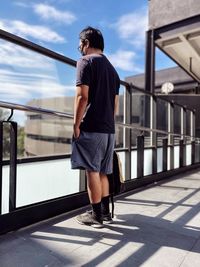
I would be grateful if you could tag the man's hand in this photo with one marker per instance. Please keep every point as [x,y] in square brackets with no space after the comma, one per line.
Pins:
[76,132]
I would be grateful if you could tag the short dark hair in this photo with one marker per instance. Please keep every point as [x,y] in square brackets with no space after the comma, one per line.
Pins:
[94,36]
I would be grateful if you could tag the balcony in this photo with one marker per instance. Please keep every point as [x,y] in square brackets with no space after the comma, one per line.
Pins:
[155,140]
[158,225]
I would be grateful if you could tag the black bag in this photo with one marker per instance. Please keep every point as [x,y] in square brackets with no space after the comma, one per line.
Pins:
[115,179]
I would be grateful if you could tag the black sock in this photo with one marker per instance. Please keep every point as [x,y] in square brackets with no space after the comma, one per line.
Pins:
[105,205]
[96,207]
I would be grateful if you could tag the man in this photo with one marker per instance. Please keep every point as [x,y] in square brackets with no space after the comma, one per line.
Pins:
[96,100]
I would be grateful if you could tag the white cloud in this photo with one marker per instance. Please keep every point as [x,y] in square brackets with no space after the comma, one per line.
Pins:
[48,12]
[18,88]
[132,27]
[16,56]
[21,4]
[124,60]
[23,29]
[25,75]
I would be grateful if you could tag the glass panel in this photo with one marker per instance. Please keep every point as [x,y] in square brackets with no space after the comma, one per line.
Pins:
[188,122]
[40,181]
[29,78]
[160,138]
[134,134]
[177,139]
[148,154]
[188,155]
[41,135]
[119,131]
[38,135]
[177,119]
[47,135]
[159,159]
[176,157]
[147,139]
[177,124]
[162,115]
[140,109]
[134,164]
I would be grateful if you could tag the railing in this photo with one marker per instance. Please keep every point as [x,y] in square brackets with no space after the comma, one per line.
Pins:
[154,139]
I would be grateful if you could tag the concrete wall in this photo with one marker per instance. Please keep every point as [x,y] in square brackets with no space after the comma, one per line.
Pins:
[163,12]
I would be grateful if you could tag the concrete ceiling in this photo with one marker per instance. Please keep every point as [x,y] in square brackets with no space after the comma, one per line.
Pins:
[184,48]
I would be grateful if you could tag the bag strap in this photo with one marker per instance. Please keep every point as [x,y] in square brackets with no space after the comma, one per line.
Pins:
[113,205]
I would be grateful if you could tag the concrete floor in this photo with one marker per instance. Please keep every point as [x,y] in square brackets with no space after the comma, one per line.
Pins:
[156,227]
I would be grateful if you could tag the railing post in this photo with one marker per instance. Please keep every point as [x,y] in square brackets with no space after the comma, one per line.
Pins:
[127,132]
[170,136]
[1,161]
[192,133]
[140,156]
[182,153]
[13,165]
[153,135]
[164,145]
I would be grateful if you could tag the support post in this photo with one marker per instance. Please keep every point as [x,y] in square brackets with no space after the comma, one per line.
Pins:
[164,144]
[150,62]
[127,132]
[140,156]
[13,165]
[182,153]
[170,136]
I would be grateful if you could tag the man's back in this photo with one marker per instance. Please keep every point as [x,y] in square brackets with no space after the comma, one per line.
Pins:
[98,73]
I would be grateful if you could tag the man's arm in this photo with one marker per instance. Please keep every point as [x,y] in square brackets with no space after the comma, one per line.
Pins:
[80,104]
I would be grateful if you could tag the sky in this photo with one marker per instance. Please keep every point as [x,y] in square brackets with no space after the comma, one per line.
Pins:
[55,24]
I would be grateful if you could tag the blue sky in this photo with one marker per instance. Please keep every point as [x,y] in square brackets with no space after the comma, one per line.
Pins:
[55,24]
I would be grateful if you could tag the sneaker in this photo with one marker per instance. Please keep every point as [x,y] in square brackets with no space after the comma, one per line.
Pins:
[89,219]
[107,218]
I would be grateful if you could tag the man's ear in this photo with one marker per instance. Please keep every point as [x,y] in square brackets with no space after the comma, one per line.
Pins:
[87,43]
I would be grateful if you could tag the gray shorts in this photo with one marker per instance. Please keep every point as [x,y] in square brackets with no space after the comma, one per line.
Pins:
[93,152]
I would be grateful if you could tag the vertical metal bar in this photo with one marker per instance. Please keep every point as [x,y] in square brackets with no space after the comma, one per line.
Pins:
[183,123]
[150,86]
[182,153]
[13,165]
[1,165]
[164,145]
[153,135]
[192,133]
[193,152]
[170,136]
[127,132]
[140,156]
[192,125]
[150,62]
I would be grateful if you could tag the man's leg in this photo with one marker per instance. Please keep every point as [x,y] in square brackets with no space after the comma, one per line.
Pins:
[104,185]
[93,218]
[94,193]
[105,201]
[94,186]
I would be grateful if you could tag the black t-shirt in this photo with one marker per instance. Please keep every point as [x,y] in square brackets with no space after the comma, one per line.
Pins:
[97,72]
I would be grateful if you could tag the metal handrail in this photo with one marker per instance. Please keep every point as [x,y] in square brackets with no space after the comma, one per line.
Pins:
[65,115]
[27,108]
[47,52]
